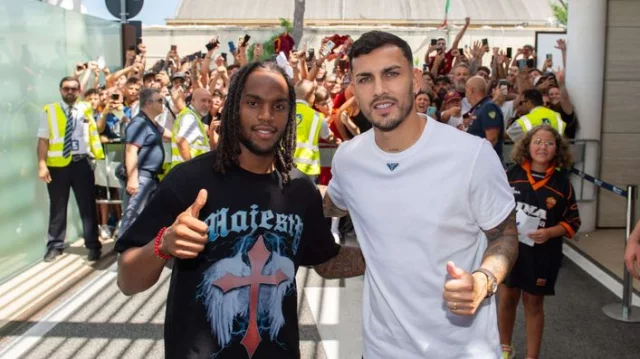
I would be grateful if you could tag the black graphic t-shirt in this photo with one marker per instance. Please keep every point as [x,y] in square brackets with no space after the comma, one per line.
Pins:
[238,298]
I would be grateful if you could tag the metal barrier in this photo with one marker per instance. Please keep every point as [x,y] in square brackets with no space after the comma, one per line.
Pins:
[620,311]
[105,169]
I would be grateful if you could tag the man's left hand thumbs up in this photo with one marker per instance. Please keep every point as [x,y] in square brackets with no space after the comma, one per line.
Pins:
[464,292]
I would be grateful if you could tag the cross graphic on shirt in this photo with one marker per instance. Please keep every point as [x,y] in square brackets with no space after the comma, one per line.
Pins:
[258,256]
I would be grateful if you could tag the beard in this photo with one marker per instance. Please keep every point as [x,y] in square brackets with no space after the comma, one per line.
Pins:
[70,98]
[460,86]
[257,150]
[389,124]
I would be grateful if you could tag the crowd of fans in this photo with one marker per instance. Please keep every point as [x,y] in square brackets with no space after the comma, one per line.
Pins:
[500,101]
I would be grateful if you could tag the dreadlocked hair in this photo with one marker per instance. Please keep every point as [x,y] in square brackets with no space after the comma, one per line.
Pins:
[228,150]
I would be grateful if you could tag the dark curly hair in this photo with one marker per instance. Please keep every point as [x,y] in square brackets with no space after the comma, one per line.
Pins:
[229,145]
[521,153]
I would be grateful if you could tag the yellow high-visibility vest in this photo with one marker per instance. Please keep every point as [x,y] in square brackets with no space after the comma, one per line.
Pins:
[197,148]
[307,155]
[57,121]
[539,116]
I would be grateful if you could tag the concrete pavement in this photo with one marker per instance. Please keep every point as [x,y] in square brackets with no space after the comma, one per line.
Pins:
[106,324]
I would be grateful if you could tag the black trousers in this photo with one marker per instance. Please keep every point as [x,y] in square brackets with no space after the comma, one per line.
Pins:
[78,176]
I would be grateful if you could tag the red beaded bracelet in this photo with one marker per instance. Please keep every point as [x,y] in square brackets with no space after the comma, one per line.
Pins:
[156,245]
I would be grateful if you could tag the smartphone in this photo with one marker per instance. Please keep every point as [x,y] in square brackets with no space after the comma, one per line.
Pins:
[461,51]
[485,42]
[509,52]
[434,42]
[245,41]
[174,48]
[521,64]
[550,57]
[311,53]
[504,86]
[431,111]
[115,97]
[425,68]
[329,47]
[224,56]
[210,46]
[232,47]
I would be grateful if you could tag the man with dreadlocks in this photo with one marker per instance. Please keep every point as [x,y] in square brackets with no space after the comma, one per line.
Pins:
[237,222]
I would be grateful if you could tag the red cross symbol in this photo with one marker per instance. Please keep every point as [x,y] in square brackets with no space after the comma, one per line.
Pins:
[258,256]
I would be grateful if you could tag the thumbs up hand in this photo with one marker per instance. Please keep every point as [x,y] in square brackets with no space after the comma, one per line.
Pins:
[464,292]
[187,236]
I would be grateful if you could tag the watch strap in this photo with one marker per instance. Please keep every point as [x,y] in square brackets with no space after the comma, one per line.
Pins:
[492,281]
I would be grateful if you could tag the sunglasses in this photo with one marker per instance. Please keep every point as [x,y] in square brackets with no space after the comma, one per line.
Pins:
[547,143]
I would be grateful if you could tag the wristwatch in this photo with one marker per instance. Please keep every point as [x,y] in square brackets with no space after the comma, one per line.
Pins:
[492,282]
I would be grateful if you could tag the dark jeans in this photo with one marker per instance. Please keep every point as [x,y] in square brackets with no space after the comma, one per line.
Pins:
[133,205]
[78,176]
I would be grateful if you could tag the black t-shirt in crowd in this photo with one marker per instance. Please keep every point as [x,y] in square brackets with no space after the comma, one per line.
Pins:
[238,298]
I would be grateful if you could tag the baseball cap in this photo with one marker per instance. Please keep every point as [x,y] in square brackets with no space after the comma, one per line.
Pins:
[451,96]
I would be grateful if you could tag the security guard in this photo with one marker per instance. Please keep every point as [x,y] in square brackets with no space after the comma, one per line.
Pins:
[311,127]
[189,137]
[486,117]
[536,115]
[67,139]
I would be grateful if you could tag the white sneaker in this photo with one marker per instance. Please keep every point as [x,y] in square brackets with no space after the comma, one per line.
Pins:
[105,233]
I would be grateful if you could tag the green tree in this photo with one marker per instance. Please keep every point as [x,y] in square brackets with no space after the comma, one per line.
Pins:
[268,48]
[560,9]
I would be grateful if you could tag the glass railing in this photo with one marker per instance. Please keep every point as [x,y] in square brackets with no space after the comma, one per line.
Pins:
[39,44]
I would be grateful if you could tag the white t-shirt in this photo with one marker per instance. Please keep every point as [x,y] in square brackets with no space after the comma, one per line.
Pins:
[80,135]
[189,129]
[413,211]
[508,112]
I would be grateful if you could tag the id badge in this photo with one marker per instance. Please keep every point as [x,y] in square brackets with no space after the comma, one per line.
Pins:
[75,145]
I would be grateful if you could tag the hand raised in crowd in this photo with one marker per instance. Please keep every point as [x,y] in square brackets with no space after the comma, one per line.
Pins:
[501,58]
[561,45]
[257,51]
[464,292]
[187,236]
[293,59]
[163,78]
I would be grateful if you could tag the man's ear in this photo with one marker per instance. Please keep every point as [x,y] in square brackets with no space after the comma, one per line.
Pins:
[417,79]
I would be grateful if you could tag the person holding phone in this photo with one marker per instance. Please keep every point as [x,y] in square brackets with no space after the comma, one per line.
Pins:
[445,63]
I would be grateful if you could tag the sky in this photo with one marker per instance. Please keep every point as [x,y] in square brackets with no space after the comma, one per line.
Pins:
[154,12]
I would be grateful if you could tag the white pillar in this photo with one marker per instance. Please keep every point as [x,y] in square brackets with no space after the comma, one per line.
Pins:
[586,36]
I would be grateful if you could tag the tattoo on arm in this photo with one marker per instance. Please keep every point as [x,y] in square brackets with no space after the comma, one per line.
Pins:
[348,263]
[502,251]
[330,209]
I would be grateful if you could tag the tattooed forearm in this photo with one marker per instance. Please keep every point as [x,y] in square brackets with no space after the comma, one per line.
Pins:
[348,263]
[502,251]
[330,209]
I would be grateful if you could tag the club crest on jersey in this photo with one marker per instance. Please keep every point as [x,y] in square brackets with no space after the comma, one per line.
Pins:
[392,166]
[298,118]
[551,202]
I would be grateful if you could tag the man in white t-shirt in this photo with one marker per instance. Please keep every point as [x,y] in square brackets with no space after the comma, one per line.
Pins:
[433,213]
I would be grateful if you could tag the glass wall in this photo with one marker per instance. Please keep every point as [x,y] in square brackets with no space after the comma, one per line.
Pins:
[39,44]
